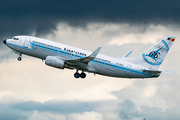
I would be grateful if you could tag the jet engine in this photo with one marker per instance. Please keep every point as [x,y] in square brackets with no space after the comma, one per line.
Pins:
[56,62]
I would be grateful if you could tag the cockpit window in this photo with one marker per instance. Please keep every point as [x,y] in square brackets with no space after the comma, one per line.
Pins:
[15,38]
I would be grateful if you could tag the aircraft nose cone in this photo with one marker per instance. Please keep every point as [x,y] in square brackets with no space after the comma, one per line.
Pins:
[4,41]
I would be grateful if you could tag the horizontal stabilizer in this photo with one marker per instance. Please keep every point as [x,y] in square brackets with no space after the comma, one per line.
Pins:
[166,72]
[152,72]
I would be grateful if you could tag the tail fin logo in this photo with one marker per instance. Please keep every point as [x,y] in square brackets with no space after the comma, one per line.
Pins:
[154,55]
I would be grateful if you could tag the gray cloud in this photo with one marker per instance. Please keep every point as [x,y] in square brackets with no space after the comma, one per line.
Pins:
[9,113]
[63,107]
[23,110]
[128,111]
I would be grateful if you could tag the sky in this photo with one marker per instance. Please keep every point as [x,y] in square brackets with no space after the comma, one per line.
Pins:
[30,90]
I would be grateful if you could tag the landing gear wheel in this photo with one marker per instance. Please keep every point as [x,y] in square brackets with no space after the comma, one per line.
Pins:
[83,75]
[76,75]
[19,58]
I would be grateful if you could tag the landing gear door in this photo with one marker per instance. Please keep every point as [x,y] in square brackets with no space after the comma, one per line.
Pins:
[26,42]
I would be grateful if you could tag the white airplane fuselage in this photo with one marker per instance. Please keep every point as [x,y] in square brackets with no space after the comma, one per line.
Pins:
[101,64]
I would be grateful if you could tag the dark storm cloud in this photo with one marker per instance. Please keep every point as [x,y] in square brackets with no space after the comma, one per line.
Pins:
[41,17]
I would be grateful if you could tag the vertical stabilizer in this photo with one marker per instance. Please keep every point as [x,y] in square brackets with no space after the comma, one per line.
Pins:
[153,57]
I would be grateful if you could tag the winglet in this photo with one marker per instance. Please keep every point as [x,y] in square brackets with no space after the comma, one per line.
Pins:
[94,54]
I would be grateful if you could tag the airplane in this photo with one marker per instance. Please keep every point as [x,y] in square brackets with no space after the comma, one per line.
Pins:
[62,56]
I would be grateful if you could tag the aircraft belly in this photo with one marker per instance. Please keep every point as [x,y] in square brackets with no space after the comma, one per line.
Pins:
[103,70]
[107,71]
[132,74]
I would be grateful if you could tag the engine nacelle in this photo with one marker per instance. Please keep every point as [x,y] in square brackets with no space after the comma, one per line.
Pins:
[55,62]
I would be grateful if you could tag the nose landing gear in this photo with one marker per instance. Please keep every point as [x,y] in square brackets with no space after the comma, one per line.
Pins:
[77,75]
[19,58]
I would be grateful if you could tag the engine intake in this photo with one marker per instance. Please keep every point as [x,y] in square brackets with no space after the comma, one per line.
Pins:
[55,62]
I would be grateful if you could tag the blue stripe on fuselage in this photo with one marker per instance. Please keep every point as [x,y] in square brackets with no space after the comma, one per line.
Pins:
[100,61]
[62,52]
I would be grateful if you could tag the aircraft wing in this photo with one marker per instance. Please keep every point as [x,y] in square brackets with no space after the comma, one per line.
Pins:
[84,60]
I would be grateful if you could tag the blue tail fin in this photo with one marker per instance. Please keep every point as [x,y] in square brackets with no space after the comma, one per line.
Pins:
[153,57]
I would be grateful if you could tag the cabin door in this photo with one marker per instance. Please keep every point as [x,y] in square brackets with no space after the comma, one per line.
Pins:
[127,72]
[26,42]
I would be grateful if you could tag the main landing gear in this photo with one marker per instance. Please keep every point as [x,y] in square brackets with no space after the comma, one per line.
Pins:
[77,75]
